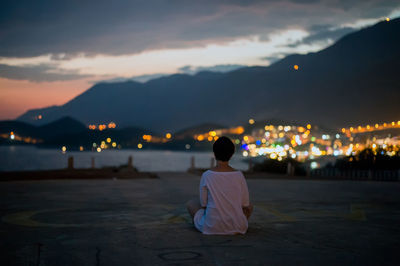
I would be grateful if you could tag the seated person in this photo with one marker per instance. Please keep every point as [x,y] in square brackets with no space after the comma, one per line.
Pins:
[224,206]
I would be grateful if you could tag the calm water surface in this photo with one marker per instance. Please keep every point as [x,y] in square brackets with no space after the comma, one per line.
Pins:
[22,158]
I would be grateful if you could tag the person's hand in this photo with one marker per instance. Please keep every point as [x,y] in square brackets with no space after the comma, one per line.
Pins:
[247,211]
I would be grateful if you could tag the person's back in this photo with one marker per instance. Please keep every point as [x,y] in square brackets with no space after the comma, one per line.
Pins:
[224,205]
[224,194]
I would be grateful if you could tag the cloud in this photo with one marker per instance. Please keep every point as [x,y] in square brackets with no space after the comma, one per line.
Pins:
[275,57]
[63,56]
[140,78]
[323,34]
[218,68]
[38,73]
[191,70]
[68,28]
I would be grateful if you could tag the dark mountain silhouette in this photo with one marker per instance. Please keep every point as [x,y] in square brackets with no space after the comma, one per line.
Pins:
[73,134]
[354,81]
[70,132]
[63,126]
[20,128]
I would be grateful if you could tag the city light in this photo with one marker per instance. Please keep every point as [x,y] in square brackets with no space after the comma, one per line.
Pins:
[112,125]
[308,142]
[251,121]
[296,67]
[147,138]
[102,127]
[278,142]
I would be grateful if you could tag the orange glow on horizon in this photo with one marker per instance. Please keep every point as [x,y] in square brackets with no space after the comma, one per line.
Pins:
[19,96]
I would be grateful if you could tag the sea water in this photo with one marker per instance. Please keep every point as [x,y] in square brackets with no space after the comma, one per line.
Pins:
[23,158]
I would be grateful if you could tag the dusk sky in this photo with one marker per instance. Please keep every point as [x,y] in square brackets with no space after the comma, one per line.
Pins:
[51,51]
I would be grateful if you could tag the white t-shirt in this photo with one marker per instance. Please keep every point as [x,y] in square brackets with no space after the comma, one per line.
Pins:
[223,194]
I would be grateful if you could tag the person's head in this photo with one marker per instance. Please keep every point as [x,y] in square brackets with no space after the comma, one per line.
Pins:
[223,149]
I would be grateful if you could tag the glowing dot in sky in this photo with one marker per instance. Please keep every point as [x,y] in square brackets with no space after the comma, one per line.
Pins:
[140,145]
[108,140]
[168,135]
[387,19]
[64,148]
[251,121]
[296,67]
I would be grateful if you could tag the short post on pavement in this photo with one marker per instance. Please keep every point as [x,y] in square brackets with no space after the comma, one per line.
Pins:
[289,168]
[250,165]
[130,162]
[192,165]
[70,162]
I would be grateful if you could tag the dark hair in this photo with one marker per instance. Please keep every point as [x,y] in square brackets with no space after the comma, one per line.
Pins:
[223,149]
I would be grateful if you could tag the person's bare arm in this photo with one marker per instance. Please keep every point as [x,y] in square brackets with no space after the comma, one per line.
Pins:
[203,196]
[246,205]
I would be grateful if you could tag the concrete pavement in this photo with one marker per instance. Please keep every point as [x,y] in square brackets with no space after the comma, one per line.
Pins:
[144,222]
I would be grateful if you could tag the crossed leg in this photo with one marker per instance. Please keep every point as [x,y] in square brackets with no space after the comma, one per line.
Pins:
[193,206]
